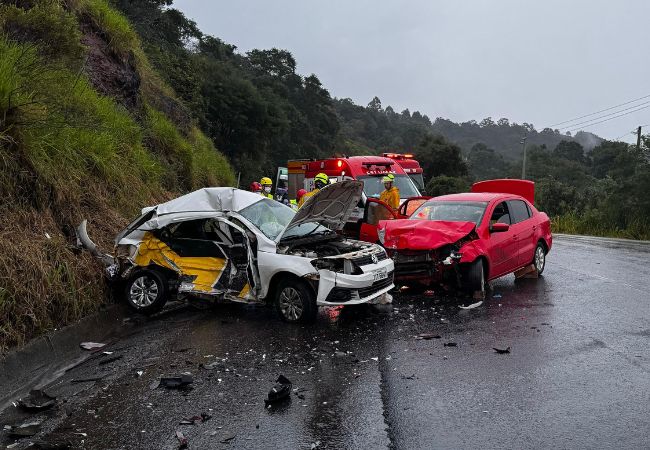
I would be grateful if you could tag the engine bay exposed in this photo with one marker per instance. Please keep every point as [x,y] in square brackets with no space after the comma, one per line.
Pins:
[321,249]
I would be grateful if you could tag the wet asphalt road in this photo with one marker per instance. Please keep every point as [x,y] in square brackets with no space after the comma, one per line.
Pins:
[578,375]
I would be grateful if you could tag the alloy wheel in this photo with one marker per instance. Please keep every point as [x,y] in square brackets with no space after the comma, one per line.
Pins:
[144,291]
[290,304]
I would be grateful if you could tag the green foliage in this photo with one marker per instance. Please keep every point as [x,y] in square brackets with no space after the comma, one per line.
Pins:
[442,185]
[437,156]
[48,25]
[486,164]
[121,37]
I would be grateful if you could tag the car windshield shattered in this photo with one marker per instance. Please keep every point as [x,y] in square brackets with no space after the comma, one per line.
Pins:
[451,211]
[373,186]
[269,216]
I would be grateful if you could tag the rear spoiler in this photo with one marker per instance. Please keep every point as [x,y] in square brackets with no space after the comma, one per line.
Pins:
[523,188]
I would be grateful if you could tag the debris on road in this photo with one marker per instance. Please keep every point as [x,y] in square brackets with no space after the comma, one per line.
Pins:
[177,382]
[497,296]
[450,344]
[182,440]
[472,306]
[427,336]
[279,392]
[204,417]
[91,345]
[229,437]
[88,379]
[24,430]
[37,400]
[110,359]
[501,351]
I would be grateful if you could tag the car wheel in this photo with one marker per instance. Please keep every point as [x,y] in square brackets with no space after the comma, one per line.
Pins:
[146,291]
[295,301]
[475,278]
[539,260]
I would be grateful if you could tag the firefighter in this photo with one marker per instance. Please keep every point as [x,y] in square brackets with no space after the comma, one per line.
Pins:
[293,203]
[256,187]
[390,195]
[267,184]
[320,181]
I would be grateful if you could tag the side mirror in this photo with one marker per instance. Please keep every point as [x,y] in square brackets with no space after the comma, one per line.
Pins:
[499,227]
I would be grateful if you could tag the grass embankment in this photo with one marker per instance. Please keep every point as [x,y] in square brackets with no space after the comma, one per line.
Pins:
[591,226]
[68,152]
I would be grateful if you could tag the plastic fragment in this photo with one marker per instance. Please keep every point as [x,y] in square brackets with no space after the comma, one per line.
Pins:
[182,440]
[501,351]
[427,336]
[91,345]
[472,306]
[281,391]
[37,400]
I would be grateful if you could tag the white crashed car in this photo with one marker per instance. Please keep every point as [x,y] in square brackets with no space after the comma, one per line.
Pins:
[230,244]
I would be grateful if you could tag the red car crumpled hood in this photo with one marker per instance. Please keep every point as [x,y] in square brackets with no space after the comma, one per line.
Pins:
[422,234]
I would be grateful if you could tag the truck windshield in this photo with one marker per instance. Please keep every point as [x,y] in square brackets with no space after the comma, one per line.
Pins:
[372,186]
[418,179]
[450,211]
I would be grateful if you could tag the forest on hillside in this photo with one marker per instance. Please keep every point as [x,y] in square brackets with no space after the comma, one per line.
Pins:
[260,112]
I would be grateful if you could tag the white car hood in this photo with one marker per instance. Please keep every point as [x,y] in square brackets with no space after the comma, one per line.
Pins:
[331,206]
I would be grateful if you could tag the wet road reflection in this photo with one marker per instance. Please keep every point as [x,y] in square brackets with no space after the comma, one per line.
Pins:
[577,374]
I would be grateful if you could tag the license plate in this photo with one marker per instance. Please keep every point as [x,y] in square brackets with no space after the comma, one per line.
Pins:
[380,275]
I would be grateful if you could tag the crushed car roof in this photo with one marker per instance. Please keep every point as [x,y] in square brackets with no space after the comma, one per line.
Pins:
[213,199]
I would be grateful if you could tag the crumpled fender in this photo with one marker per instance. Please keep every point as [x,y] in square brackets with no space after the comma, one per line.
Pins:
[472,250]
[422,234]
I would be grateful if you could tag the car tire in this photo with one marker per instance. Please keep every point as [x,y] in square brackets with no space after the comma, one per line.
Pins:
[295,301]
[146,291]
[475,278]
[539,258]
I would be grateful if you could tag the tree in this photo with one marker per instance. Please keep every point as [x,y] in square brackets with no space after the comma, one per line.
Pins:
[375,104]
[437,156]
[442,185]
[570,150]
[274,62]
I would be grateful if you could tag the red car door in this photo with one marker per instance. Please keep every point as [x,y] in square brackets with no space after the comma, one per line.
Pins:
[524,227]
[375,210]
[410,205]
[503,245]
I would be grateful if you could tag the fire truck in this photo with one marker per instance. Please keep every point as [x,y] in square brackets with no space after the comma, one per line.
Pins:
[369,169]
[411,167]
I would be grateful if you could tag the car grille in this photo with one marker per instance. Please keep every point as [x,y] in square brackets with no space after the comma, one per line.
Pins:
[367,259]
[342,295]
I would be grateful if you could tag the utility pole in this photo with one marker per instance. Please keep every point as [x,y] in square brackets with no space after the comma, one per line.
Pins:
[523,166]
[638,139]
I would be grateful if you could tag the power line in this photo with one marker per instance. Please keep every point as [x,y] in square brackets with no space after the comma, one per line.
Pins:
[598,112]
[631,132]
[605,115]
[609,118]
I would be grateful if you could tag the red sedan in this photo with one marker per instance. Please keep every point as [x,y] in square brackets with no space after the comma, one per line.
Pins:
[467,239]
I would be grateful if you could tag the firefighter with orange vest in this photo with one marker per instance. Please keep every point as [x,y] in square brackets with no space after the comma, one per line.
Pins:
[320,181]
[390,195]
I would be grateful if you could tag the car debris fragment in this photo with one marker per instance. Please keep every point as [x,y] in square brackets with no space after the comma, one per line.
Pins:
[472,306]
[37,400]
[23,430]
[91,345]
[450,344]
[279,392]
[204,417]
[501,351]
[182,440]
[427,336]
[176,382]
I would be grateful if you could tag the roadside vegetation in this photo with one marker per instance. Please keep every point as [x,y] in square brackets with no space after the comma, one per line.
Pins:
[110,105]
[80,138]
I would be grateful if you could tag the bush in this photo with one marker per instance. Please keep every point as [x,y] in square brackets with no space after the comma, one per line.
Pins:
[442,185]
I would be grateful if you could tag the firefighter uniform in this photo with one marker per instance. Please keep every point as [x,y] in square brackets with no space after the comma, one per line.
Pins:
[390,195]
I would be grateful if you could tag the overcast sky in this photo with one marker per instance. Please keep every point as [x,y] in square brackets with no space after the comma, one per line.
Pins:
[536,61]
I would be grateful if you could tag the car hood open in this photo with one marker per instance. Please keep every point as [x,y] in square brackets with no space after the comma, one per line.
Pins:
[422,234]
[331,206]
